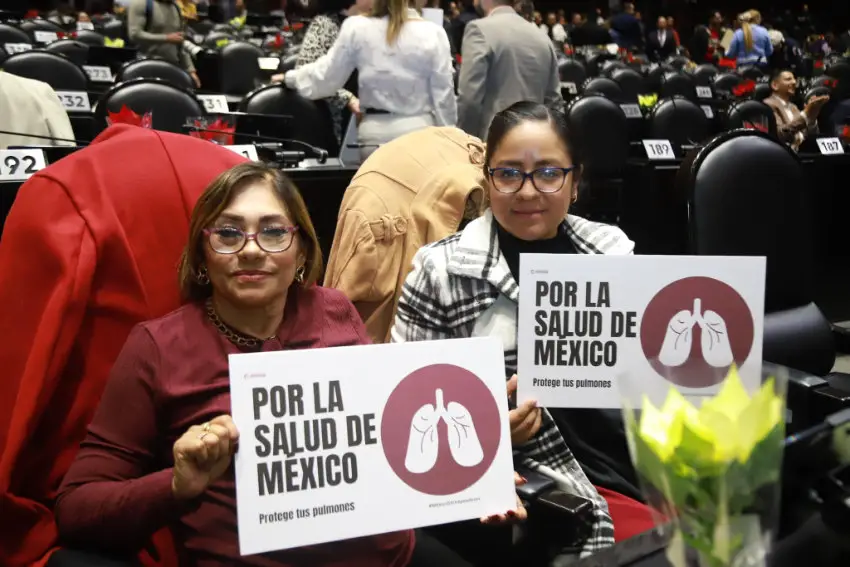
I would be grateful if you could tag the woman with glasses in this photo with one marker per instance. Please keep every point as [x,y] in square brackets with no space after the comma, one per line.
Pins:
[467,285]
[159,448]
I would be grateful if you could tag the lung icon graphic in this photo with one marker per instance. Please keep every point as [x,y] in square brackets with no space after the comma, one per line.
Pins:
[716,349]
[424,443]
[463,439]
[678,339]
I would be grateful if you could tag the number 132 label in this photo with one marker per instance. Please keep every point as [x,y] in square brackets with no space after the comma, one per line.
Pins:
[19,165]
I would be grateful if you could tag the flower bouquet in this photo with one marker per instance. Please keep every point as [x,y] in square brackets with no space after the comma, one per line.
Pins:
[712,472]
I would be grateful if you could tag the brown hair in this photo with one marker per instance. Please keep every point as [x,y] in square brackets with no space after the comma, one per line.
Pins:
[396,10]
[747,30]
[218,196]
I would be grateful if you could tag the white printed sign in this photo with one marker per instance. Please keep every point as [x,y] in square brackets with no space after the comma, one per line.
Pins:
[268,63]
[631,110]
[19,165]
[433,15]
[12,48]
[709,113]
[704,92]
[588,328]
[569,87]
[74,101]
[45,36]
[335,446]
[830,146]
[214,103]
[245,150]
[99,73]
[659,149]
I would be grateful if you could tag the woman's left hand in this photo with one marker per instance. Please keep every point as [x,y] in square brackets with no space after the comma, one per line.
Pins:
[517,515]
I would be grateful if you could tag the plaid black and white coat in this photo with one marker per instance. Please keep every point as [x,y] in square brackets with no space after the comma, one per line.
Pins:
[460,287]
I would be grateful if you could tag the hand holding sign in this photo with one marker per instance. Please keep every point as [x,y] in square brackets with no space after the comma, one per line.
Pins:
[517,515]
[202,455]
[526,419]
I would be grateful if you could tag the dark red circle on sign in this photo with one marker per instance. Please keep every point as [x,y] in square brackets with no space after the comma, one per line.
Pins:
[714,295]
[419,388]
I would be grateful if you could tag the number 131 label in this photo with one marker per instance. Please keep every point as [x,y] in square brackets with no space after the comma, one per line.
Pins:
[659,149]
[19,165]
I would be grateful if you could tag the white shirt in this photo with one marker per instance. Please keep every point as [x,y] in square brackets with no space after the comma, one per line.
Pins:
[410,78]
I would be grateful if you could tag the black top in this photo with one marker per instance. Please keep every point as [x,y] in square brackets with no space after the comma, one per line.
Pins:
[597,437]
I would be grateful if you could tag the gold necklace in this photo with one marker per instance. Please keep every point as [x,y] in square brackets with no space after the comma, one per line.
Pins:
[237,338]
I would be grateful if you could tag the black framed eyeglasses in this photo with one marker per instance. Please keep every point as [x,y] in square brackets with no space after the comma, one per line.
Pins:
[544,179]
[231,240]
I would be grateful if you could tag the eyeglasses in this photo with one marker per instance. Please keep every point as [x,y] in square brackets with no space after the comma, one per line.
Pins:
[231,240]
[544,179]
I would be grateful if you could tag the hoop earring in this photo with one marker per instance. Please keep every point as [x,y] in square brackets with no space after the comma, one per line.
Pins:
[575,198]
[202,277]
[299,274]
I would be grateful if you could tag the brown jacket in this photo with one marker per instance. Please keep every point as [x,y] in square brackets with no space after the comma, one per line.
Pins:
[414,190]
[791,129]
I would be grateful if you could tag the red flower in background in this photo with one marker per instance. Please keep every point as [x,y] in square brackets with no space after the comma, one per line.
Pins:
[727,63]
[819,64]
[223,131]
[127,116]
[830,83]
[745,88]
[845,133]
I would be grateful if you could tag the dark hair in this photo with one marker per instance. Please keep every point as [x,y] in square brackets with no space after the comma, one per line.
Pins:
[327,7]
[218,196]
[527,111]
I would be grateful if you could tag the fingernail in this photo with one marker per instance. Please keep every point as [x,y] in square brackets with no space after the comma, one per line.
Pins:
[523,479]
[511,513]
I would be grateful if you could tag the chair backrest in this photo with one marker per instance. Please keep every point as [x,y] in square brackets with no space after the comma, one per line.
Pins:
[240,71]
[608,67]
[655,77]
[310,122]
[595,61]
[752,114]
[751,72]
[677,83]
[679,120]
[762,91]
[115,29]
[678,62]
[725,82]
[11,34]
[572,71]
[76,51]
[171,106]
[704,74]
[631,83]
[212,39]
[603,86]
[288,63]
[747,197]
[155,68]
[90,37]
[603,129]
[57,71]
[32,26]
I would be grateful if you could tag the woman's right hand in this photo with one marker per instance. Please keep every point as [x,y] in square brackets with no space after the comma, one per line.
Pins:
[526,419]
[202,455]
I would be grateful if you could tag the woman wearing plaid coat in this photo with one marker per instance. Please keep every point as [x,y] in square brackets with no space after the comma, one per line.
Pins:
[466,286]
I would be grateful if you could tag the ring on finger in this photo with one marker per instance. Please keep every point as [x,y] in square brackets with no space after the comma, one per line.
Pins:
[202,435]
[206,427]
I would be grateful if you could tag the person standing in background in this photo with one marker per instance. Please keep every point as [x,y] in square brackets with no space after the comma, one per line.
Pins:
[160,33]
[504,60]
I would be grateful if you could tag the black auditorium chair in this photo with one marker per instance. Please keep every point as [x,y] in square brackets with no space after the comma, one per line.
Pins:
[90,37]
[840,70]
[678,120]
[762,91]
[744,191]
[751,114]
[171,107]
[38,24]
[678,62]
[678,83]
[76,51]
[288,62]
[603,129]
[11,34]
[631,83]
[240,72]
[603,86]
[213,38]
[155,68]
[751,72]
[704,74]
[655,76]
[57,71]
[725,82]
[114,29]
[608,67]
[594,62]
[572,70]
[310,121]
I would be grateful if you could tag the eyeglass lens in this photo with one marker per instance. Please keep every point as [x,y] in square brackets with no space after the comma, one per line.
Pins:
[545,180]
